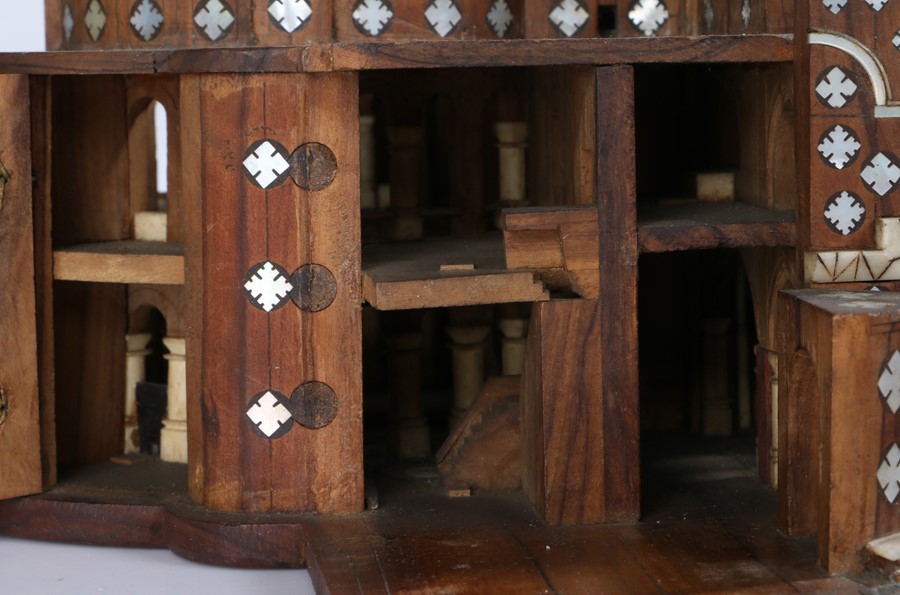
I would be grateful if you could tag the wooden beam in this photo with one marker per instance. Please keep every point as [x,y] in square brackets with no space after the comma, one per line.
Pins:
[308,351]
[20,431]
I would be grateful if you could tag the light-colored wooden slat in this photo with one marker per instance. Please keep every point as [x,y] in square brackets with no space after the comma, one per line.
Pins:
[408,275]
[20,438]
[121,262]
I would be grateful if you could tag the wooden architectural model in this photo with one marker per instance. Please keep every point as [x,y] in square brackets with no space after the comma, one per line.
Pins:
[429,215]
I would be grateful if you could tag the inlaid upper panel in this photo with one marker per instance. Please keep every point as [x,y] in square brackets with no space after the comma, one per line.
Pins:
[136,24]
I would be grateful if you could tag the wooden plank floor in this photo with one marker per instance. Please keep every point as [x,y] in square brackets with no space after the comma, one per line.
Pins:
[708,527]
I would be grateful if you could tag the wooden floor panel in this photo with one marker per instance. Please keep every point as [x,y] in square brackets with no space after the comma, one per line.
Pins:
[709,528]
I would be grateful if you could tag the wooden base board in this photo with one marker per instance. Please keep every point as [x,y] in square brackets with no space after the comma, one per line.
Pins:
[708,527]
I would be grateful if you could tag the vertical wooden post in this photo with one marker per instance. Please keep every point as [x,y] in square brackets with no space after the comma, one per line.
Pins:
[842,426]
[615,197]
[580,385]
[20,437]
[277,266]
[135,369]
[173,436]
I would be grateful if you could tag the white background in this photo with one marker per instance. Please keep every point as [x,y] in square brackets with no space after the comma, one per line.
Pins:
[38,568]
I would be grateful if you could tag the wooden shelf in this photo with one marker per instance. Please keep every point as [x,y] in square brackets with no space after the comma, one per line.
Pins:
[699,225]
[407,275]
[410,54]
[125,261]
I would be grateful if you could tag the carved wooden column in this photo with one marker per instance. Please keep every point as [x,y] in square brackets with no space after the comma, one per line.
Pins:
[511,142]
[405,148]
[367,193]
[276,415]
[468,343]
[839,435]
[173,437]
[411,435]
[135,370]
[514,330]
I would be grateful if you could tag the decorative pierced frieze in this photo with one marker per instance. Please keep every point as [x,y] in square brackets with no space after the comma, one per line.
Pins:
[267,163]
[835,87]
[648,16]
[95,19]
[499,18]
[839,146]
[834,6]
[146,19]
[68,22]
[889,381]
[213,19]
[881,264]
[268,286]
[889,474]
[269,414]
[844,213]
[443,17]
[373,17]
[569,17]
[881,173]
[290,15]
[313,405]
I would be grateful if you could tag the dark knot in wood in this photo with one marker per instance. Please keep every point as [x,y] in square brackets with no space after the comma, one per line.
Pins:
[314,405]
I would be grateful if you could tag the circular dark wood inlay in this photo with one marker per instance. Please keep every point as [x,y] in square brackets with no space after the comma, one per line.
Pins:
[313,166]
[314,405]
[314,287]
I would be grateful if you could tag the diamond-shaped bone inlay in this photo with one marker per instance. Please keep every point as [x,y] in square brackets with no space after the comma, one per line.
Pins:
[896,40]
[372,17]
[889,474]
[845,213]
[267,163]
[68,22]
[269,415]
[95,19]
[834,6]
[499,17]
[745,14]
[290,15]
[214,19]
[443,16]
[838,146]
[835,87]
[146,19]
[648,15]
[569,17]
[881,174]
[876,5]
[268,286]
[889,382]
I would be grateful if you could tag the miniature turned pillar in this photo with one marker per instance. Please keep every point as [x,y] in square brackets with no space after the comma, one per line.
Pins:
[716,408]
[468,366]
[411,435]
[511,137]
[367,193]
[405,147]
[513,326]
[135,371]
[173,437]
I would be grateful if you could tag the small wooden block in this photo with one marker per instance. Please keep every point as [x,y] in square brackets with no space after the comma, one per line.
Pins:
[459,492]
[150,226]
[715,186]
[457,267]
